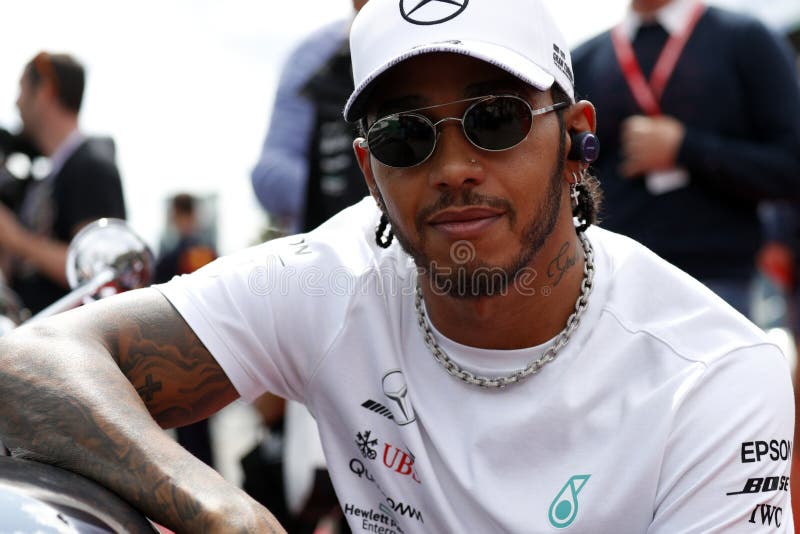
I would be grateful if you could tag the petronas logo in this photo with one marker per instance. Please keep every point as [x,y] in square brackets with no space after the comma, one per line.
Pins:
[564,508]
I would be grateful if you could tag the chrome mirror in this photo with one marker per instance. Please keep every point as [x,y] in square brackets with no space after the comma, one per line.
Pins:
[106,257]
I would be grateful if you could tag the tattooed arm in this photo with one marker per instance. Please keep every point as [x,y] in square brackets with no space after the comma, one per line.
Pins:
[87,391]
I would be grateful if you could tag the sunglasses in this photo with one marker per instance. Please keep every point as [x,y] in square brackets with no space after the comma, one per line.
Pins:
[492,123]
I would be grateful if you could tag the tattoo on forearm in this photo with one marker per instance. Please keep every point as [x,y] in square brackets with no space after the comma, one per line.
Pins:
[169,354]
[562,263]
[82,416]
[100,452]
[150,387]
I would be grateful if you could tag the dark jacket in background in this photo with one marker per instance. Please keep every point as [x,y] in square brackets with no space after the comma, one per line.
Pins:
[735,88]
[87,187]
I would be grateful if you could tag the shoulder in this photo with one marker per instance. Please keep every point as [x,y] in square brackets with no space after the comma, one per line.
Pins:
[293,295]
[333,31]
[592,61]
[757,54]
[741,30]
[310,54]
[726,19]
[321,42]
[650,297]
[340,254]
[95,156]
[346,242]
[587,49]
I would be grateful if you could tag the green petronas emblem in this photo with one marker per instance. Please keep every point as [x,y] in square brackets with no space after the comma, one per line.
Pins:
[564,508]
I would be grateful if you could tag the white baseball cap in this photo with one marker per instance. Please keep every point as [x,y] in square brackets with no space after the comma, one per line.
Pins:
[518,36]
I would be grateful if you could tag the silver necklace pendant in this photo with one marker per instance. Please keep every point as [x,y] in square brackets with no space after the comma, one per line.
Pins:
[536,365]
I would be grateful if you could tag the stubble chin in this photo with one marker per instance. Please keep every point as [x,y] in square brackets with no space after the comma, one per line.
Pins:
[464,272]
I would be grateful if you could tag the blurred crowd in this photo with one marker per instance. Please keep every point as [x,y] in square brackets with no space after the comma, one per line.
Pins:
[699,123]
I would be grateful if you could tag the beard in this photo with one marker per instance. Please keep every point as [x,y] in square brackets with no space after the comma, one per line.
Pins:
[472,277]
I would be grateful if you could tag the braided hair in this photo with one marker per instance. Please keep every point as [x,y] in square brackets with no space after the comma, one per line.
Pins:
[382,237]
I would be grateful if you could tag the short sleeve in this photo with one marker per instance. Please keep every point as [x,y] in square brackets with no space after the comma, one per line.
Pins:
[726,465]
[269,314]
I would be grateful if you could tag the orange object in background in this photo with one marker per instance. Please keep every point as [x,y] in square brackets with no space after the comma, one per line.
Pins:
[777,262]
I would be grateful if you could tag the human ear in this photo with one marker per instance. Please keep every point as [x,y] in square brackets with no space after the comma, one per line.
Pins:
[581,124]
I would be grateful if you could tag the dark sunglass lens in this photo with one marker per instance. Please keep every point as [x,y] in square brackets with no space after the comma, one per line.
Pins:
[499,123]
[401,140]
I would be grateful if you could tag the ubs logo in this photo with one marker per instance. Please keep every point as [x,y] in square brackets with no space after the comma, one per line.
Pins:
[396,390]
[429,12]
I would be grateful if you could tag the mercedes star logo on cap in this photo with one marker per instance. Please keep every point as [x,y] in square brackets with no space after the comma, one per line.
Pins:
[427,12]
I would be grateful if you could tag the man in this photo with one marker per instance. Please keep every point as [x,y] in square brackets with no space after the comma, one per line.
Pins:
[83,183]
[190,250]
[502,371]
[699,113]
[306,172]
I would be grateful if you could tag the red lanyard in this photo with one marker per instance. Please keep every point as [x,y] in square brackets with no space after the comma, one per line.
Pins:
[648,95]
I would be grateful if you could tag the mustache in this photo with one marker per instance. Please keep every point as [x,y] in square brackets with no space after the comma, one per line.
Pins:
[463,199]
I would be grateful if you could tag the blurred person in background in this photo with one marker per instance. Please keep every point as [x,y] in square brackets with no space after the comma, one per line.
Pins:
[190,251]
[699,115]
[306,173]
[83,183]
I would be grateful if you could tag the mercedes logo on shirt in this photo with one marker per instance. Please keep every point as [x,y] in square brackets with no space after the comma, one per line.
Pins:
[396,390]
[427,12]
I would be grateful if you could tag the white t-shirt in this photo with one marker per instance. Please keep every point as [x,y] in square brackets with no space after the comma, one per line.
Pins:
[667,411]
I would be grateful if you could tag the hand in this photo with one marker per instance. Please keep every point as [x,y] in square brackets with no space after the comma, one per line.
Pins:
[649,144]
[11,232]
[251,517]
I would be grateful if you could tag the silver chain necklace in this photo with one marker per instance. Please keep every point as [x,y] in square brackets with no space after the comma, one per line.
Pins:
[535,366]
